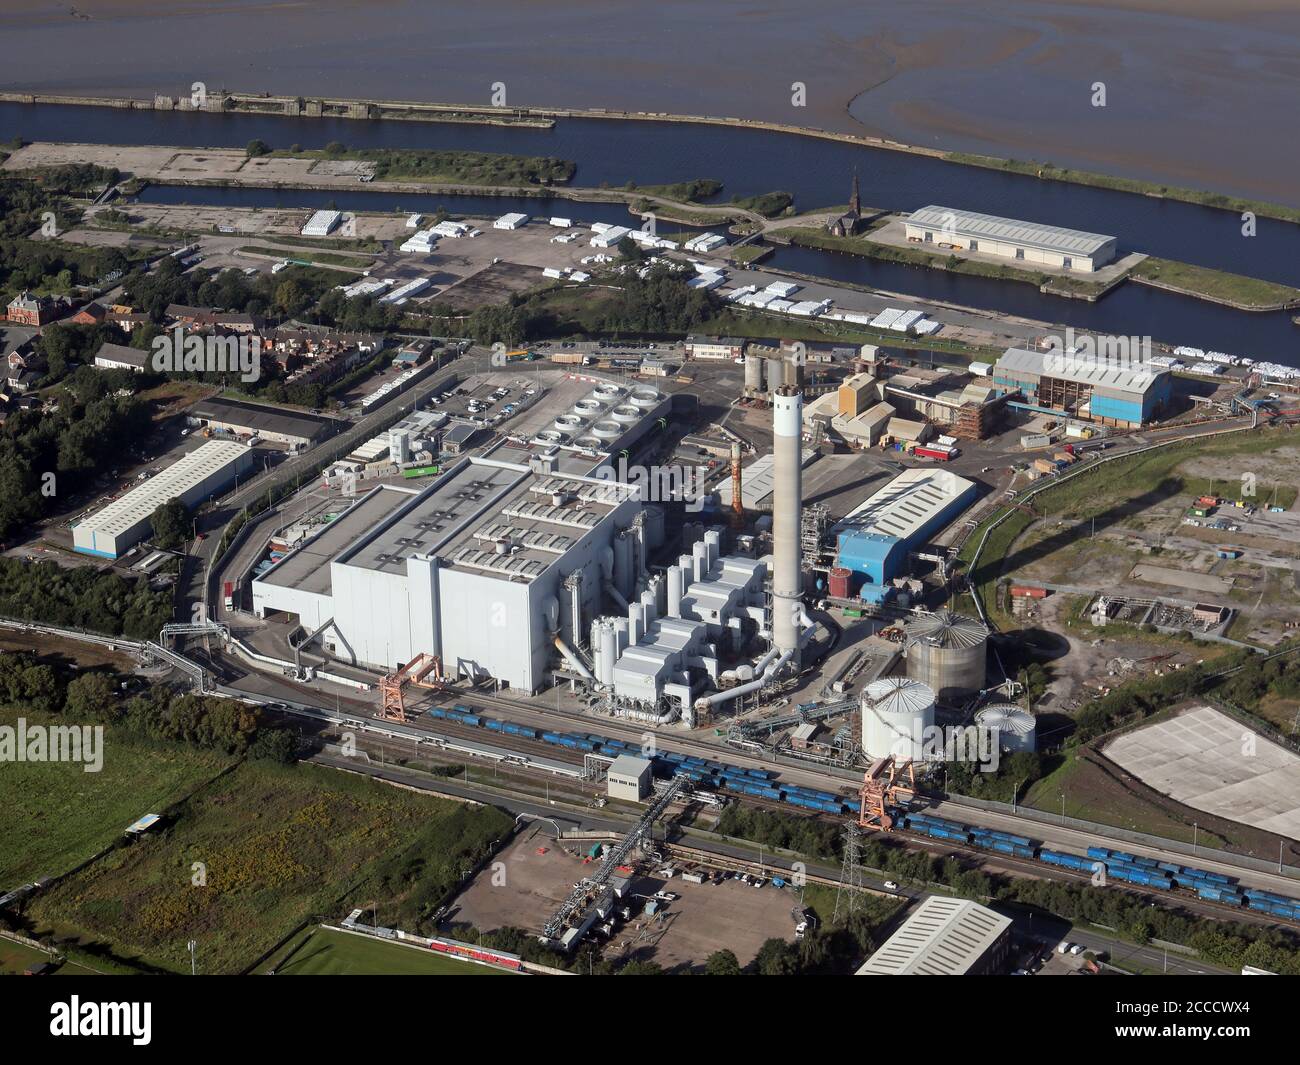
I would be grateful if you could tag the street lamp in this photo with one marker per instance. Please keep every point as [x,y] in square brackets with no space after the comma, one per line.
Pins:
[1014,793]
[193,945]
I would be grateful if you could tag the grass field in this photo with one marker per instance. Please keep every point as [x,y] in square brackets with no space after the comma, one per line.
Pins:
[16,957]
[1115,493]
[56,815]
[1243,291]
[331,953]
[278,846]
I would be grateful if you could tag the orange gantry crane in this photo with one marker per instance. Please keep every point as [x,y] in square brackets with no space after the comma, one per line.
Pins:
[881,787]
[424,671]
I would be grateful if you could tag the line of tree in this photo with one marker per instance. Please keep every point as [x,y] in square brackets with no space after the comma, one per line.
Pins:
[158,712]
[82,597]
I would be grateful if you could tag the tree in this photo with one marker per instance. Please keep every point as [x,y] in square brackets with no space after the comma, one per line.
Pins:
[776,957]
[91,697]
[257,147]
[275,745]
[171,524]
[722,963]
[641,968]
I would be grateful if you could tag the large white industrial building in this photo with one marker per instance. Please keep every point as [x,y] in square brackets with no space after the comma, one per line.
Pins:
[125,522]
[1028,242]
[493,568]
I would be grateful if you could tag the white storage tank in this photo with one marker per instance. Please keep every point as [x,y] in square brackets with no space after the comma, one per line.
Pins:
[896,714]
[1015,726]
[947,652]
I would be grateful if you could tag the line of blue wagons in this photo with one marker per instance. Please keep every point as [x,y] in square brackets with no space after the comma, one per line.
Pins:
[757,783]
[1127,868]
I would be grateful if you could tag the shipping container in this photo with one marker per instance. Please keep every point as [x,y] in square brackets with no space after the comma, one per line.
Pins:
[1024,591]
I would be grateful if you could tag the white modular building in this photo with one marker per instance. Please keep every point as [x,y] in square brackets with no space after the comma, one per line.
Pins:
[200,474]
[1031,243]
[322,223]
[513,220]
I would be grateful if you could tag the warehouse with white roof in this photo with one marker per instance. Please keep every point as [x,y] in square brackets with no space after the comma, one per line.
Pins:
[197,476]
[1031,243]
[945,937]
[875,538]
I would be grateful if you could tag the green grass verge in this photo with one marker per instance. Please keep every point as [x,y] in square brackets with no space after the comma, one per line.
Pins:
[317,258]
[280,846]
[1237,289]
[57,816]
[452,167]
[330,953]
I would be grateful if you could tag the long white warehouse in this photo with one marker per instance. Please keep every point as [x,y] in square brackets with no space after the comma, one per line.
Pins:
[122,524]
[1028,242]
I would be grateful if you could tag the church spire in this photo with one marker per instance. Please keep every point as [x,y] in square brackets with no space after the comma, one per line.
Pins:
[855,202]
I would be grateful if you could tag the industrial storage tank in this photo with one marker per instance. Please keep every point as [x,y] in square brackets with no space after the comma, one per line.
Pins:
[1015,725]
[753,374]
[947,651]
[897,713]
[841,580]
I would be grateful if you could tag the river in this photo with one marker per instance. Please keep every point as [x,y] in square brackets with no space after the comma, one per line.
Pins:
[751,161]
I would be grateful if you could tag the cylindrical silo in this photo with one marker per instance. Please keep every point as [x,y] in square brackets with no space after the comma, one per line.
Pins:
[604,638]
[753,374]
[896,714]
[840,582]
[947,651]
[1014,724]
[674,591]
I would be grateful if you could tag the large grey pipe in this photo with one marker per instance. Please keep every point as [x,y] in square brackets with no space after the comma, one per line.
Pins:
[787,499]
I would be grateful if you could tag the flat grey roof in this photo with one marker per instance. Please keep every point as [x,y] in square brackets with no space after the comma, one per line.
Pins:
[466,512]
[256,417]
[122,353]
[1030,234]
[308,567]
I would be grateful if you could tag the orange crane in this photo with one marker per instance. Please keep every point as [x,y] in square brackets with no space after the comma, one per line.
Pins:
[424,671]
[881,787]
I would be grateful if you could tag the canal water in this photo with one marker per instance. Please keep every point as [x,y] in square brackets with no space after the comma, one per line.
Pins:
[749,161]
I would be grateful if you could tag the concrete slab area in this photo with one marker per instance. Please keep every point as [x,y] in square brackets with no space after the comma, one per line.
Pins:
[1208,761]
[1181,578]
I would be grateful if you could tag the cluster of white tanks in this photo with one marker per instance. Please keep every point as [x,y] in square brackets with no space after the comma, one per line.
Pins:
[947,652]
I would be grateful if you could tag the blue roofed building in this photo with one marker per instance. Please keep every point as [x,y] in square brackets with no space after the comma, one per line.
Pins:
[1098,388]
[875,538]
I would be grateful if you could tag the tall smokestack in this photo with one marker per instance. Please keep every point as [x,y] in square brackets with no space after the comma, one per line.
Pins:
[787,501]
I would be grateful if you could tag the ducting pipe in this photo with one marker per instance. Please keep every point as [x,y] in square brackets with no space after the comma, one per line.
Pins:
[615,595]
[573,659]
[769,674]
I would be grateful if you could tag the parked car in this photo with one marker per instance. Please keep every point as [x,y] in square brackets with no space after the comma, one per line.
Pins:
[890,886]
